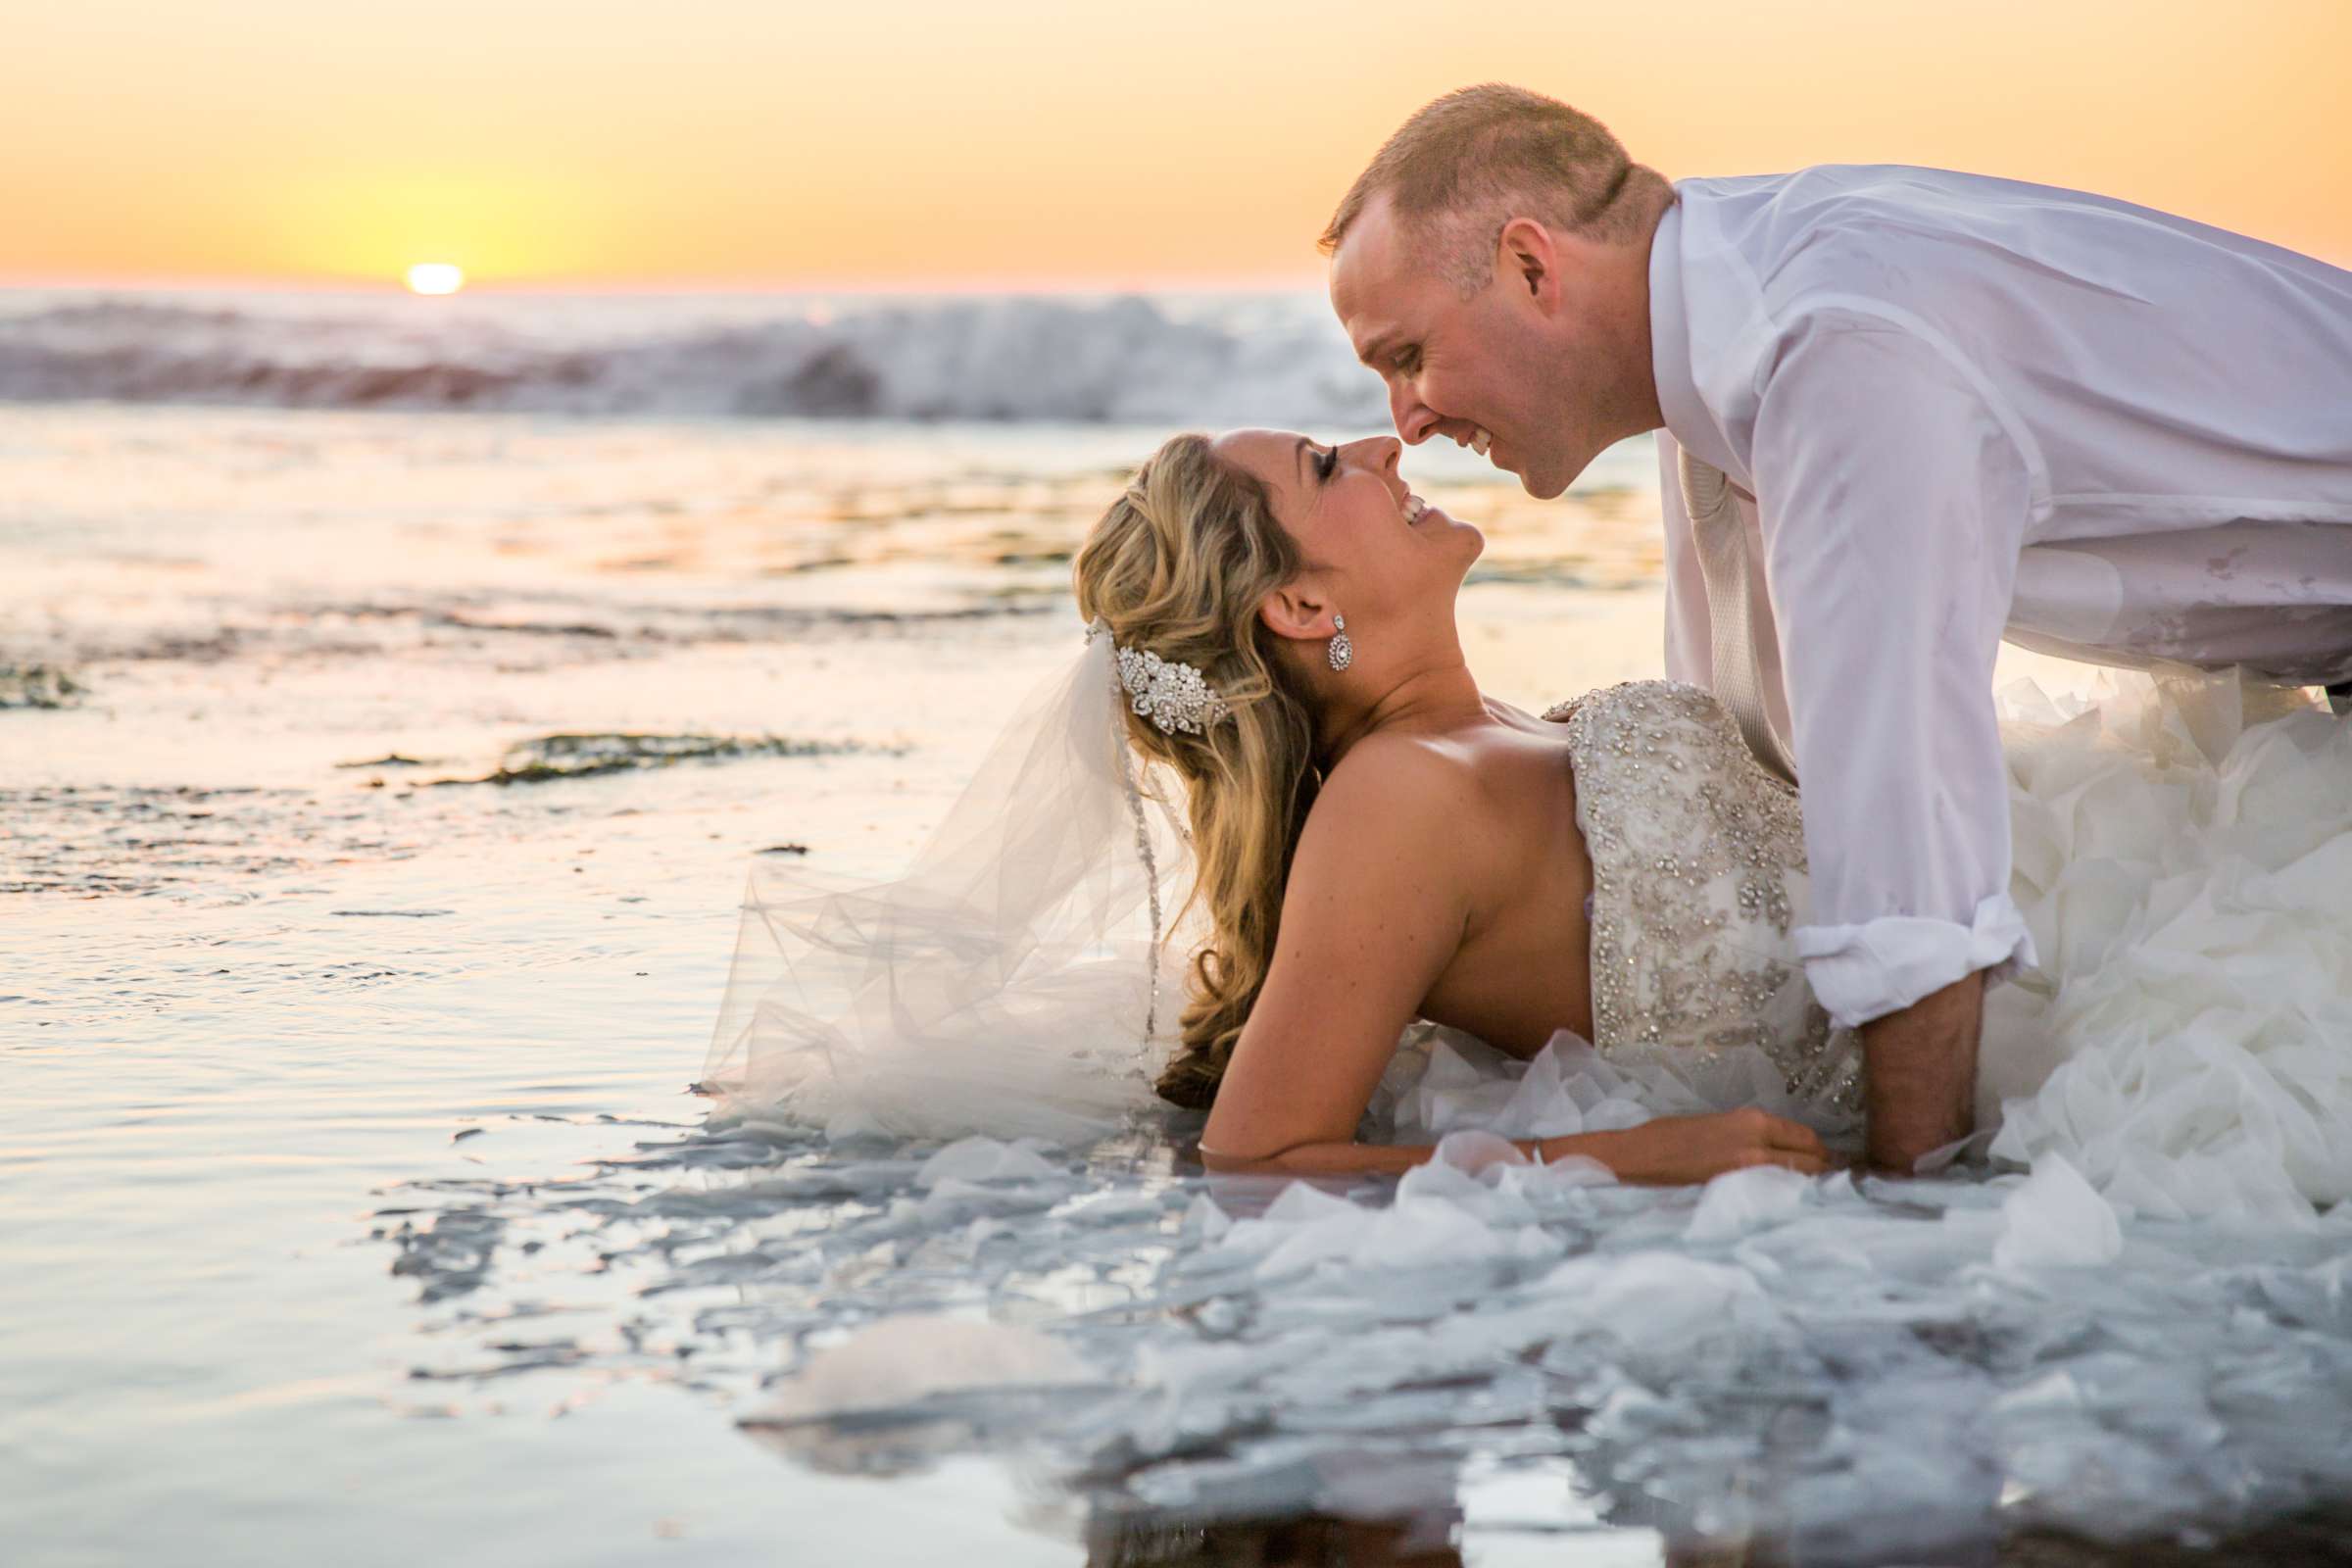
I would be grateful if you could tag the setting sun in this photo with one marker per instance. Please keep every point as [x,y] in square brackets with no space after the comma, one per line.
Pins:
[435,277]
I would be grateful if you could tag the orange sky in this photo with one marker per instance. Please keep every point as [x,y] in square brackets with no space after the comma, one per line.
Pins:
[750,143]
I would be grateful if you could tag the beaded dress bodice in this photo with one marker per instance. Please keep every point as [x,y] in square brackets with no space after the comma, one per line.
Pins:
[1698,876]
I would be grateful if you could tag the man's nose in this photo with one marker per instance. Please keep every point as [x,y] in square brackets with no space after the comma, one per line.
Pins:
[1413,421]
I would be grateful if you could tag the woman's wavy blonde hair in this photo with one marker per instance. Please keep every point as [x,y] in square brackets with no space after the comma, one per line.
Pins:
[1178,567]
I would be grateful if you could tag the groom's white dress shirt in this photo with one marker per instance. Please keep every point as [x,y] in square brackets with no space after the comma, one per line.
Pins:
[1959,409]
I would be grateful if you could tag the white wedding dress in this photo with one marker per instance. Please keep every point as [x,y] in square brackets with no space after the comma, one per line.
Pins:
[2183,858]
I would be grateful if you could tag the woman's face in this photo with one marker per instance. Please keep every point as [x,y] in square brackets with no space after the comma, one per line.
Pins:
[1371,547]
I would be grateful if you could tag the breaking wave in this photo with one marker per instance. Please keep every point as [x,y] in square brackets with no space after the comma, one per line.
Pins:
[1224,359]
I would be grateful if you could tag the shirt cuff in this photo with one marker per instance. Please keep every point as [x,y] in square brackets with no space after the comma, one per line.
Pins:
[1861,973]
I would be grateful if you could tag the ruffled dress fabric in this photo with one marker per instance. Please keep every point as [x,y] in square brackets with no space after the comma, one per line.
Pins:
[2182,857]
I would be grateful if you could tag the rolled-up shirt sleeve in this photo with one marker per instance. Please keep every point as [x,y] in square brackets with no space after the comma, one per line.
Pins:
[1893,506]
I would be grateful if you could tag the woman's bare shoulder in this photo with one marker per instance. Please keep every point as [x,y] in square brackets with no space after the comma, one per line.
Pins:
[1410,770]
[1403,791]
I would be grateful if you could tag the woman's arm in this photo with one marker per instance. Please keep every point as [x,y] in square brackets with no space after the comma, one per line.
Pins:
[1669,1152]
[1380,893]
[1378,896]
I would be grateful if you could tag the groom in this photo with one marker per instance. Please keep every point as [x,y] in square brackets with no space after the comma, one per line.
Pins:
[1901,413]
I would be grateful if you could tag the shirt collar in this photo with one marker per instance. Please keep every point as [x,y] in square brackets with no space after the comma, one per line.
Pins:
[1670,332]
[1688,419]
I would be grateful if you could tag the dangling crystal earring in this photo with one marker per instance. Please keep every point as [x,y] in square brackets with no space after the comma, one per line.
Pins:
[1342,652]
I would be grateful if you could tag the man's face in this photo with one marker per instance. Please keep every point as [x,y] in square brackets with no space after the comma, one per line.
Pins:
[1515,371]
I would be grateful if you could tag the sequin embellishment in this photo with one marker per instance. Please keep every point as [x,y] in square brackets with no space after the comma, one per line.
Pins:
[1698,876]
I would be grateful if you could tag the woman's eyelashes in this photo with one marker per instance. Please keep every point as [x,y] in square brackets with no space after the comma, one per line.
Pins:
[1327,463]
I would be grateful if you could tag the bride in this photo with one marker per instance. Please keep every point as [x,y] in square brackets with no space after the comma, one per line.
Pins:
[1373,843]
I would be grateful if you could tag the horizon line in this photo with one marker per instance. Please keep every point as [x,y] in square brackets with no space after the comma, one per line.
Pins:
[701,284]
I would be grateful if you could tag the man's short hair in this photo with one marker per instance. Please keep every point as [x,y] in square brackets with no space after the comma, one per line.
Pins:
[1464,165]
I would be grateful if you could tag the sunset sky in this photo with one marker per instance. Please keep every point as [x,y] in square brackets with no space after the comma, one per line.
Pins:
[753,143]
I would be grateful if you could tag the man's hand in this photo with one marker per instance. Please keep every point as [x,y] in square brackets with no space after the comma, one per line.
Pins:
[1918,1069]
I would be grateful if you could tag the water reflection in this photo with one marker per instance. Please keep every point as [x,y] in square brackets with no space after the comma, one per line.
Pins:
[1449,1536]
[1420,1540]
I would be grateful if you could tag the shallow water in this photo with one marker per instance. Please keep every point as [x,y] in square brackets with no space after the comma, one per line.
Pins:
[366,906]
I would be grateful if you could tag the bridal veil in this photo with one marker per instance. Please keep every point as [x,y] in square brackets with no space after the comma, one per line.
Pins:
[1015,980]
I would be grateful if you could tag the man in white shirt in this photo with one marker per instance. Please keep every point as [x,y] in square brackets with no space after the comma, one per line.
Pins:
[1950,408]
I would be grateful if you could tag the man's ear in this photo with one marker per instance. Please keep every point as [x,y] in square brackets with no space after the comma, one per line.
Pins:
[1527,254]
[1297,611]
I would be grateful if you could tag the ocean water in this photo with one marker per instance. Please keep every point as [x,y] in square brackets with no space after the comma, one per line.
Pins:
[390,706]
